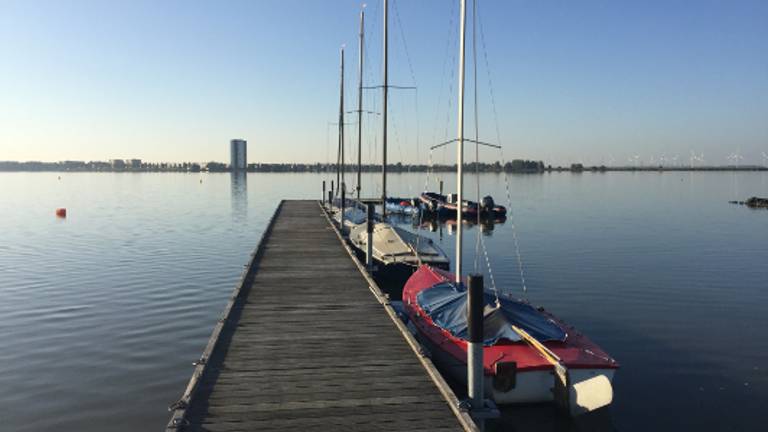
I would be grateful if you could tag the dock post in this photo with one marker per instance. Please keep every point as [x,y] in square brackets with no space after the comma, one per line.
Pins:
[323,195]
[475,305]
[441,187]
[343,206]
[330,200]
[369,241]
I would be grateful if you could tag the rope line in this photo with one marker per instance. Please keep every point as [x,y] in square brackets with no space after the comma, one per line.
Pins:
[511,213]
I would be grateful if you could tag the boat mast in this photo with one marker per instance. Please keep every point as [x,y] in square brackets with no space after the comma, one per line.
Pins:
[341,119]
[460,146]
[360,105]
[384,88]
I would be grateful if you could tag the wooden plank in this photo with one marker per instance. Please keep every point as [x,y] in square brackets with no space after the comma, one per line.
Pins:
[306,345]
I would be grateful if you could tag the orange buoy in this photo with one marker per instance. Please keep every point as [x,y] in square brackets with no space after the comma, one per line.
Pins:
[61,212]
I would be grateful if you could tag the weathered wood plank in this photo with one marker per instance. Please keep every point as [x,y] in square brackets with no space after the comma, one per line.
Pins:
[307,346]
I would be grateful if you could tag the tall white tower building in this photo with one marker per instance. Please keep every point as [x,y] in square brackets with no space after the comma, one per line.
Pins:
[238,160]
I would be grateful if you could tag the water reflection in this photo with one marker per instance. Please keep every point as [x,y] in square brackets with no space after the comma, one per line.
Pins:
[447,225]
[440,225]
[239,192]
[547,417]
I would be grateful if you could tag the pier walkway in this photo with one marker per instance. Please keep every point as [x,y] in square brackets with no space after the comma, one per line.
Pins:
[304,344]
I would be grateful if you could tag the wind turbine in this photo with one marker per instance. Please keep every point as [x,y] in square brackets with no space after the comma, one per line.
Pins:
[735,158]
[698,158]
[633,160]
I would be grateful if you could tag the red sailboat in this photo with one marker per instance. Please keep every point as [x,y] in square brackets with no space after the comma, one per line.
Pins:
[529,355]
[521,354]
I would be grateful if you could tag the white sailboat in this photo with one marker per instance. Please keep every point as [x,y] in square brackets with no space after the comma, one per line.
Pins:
[395,250]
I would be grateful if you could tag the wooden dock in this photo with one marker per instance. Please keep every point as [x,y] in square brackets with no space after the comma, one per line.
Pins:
[308,342]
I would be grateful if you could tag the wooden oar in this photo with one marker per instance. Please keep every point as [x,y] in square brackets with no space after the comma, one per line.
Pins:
[560,370]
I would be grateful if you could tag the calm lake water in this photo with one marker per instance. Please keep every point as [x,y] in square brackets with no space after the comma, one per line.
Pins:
[102,314]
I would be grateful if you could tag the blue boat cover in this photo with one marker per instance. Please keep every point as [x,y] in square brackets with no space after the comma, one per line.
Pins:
[446,305]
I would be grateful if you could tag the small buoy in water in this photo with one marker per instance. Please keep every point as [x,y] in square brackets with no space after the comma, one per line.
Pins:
[201,180]
[59,177]
[61,212]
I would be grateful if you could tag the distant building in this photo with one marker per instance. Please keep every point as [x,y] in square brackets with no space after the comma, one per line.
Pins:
[99,166]
[117,163]
[133,163]
[238,155]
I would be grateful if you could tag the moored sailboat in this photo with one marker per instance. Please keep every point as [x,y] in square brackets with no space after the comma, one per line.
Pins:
[448,206]
[397,252]
[528,354]
[524,347]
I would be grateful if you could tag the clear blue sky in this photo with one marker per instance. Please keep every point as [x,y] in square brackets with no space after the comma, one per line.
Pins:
[596,81]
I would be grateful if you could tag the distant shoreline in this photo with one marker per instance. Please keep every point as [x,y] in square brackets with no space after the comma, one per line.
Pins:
[515,167]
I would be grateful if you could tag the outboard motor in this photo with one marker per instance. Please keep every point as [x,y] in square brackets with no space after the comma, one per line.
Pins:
[487,203]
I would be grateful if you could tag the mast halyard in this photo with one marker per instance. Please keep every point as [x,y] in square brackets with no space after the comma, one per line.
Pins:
[460,143]
[385,89]
[360,104]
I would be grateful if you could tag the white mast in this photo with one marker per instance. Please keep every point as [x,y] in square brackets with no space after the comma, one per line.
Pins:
[341,119]
[385,88]
[360,104]
[460,146]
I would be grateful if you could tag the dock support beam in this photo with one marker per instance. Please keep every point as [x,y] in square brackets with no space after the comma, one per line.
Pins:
[330,200]
[475,305]
[369,241]
[323,195]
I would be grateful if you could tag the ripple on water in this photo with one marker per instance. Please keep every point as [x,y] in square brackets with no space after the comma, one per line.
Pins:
[111,306]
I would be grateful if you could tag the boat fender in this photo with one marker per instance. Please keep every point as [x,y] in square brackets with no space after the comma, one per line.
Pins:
[504,376]
[590,394]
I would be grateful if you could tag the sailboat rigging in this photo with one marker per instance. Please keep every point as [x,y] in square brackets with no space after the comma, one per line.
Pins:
[522,347]
[360,103]
[396,251]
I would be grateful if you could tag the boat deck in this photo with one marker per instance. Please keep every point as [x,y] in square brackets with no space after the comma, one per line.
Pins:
[305,344]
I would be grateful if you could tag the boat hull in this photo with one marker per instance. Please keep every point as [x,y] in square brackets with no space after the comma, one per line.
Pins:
[530,386]
[391,277]
[435,205]
[515,372]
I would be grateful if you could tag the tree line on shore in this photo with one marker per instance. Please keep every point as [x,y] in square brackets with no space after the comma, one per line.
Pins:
[516,166]
[136,165]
